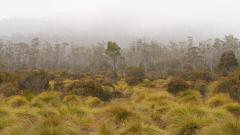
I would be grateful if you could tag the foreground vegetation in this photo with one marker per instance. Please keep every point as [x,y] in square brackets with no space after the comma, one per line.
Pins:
[120,92]
[51,103]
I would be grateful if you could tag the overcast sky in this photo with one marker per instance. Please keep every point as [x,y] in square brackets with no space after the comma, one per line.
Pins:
[226,11]
[151,13]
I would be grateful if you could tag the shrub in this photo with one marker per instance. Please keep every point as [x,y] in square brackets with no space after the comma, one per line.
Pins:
[8,89]
[201,86]
[176,85]
[198,75]
[88,87]
[36,80]
[93,101]
[134,75]
[230,85]
[17,101]
[9,77]
[228,62]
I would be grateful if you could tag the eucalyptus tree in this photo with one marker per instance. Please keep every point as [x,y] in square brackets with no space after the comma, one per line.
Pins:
[114,52]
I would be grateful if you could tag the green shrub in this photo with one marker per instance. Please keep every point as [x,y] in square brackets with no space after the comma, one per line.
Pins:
[228,62]
[176,85]
[134,75]
[17,101]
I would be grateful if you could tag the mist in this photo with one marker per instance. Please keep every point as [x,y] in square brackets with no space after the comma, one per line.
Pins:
[88,22]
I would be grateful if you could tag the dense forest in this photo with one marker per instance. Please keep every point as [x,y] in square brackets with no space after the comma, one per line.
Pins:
[147,88]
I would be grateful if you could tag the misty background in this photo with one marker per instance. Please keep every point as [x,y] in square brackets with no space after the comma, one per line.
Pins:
[89,21]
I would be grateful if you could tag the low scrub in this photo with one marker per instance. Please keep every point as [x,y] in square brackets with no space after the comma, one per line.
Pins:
[176,85]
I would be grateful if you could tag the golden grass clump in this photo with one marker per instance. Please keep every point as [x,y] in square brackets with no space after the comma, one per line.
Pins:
[105,129]
[121,85]
[228,126]
[54,126]
[161,98]
[17,101]
[73,110]
[71,99]
[186,120]
[120,114]
[234,108]
[138,128]
[219,100]
[190,96]
[47,98]
[93,101]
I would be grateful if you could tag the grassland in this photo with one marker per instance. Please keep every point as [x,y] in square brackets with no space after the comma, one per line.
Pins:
[144,109]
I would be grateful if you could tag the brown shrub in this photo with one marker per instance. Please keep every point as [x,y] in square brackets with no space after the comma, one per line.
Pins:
[8,89]
[134,75]
[230,85]
[198,75]
[35,80]
[176,85]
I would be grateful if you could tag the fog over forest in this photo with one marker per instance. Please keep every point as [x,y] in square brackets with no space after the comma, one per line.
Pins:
[88,22]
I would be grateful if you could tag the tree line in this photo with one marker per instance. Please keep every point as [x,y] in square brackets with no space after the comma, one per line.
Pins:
[211,55]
